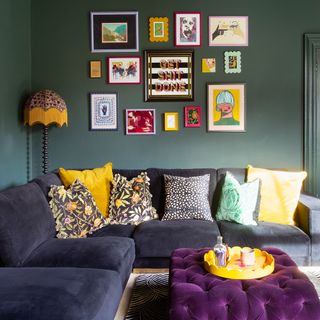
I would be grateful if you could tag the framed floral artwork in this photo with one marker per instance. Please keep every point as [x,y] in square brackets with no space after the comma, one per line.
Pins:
[158,29]
[192,116]
[226,107]
[232,62]
[114,31]
[228,31]
[103,111]
[140,121]
[187,29]
[124,70]
[171,121]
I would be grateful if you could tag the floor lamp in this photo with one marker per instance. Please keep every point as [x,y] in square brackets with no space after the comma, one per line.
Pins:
[45,107]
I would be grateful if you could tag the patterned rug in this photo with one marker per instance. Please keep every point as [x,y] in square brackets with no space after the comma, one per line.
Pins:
[149,300]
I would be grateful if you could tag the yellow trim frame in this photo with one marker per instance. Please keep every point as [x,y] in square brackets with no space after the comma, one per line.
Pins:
[171,122]
[159,34]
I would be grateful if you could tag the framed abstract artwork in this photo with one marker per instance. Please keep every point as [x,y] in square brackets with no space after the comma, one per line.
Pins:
[187,29]
[168,75]
[228,31]
[140,121]
[95,69]
[114,31]
[226,107]
[232,62]
[124,70]
[103,111]
[171,121]
[192,116]
[158,29]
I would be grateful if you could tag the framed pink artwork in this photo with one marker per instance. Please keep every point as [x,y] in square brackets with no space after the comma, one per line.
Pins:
[192,116]
[140,121]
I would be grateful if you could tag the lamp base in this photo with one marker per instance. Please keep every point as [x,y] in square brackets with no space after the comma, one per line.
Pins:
[45,149]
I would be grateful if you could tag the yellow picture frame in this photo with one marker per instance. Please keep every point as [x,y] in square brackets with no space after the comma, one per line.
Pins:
[171,121]
[158,29]
[95,69]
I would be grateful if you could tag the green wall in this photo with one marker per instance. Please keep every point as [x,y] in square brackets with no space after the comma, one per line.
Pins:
[272,68]
[15,84]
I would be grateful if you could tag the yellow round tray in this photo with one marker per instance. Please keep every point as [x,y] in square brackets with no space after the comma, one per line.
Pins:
[264,265]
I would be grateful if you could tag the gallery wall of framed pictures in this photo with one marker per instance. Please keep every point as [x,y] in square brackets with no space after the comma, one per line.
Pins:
[164,75]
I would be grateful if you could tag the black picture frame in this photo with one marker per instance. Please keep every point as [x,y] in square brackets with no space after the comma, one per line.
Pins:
[169,75]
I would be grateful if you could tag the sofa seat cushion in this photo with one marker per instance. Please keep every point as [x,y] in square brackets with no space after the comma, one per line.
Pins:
[290,239]
[114,253]
[118,230]
[59,293]
[160,238]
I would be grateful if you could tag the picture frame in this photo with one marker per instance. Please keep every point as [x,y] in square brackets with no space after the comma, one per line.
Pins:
[124,70]
[104,111]
[192,116]
[171,121]
[114,31]
[169,75]
[228,31]
[95,69]
[208,65]
[232,62]
[187,29]
[158,29]
[226,107]
[140,121]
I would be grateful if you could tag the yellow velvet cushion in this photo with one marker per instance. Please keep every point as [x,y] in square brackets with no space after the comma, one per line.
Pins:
[280,191]
[97,181]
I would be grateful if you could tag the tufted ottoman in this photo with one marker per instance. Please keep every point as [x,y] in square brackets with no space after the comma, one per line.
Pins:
[286,294]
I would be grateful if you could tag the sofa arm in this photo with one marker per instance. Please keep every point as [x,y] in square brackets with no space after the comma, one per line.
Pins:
[307,218]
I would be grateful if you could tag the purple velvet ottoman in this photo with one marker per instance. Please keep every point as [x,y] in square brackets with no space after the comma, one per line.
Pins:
[286,294]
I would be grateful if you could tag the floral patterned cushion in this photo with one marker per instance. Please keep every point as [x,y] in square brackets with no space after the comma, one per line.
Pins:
[75,211]
[130,201]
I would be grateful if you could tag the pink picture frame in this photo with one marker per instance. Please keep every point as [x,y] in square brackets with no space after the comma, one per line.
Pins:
[124,70]
[187,29]
[140,121]
[192,116]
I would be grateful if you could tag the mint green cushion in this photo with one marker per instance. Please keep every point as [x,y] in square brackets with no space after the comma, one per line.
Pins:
[238,201]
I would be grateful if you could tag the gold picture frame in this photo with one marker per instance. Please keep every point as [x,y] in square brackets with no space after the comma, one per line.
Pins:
[95,69]
[171,122]
[158,29]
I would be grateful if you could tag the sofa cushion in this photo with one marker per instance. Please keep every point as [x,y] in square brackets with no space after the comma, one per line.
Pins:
[159,238]
[157,186]
[59,293]
[290,239]
[114,253]
[45,182]
[119,230]
[26,222]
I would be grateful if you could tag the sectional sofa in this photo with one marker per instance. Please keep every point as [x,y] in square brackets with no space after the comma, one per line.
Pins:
[43,277]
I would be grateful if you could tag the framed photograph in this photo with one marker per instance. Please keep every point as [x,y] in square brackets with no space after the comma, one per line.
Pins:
[114,31]
[228,31]
[187,29]
[95,69]
[208,65]
[124,70]
[140,121]
[158,29]
[226,107]
[171,121]
[168,75]
[192,116]
[103,111]
[232,62]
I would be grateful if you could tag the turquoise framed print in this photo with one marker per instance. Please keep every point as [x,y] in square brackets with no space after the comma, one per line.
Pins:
[232,62]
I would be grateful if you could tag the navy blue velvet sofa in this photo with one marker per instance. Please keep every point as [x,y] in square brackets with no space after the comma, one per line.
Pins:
[43,277]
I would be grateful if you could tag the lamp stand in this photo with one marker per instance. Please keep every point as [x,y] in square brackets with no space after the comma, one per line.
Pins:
[45,149]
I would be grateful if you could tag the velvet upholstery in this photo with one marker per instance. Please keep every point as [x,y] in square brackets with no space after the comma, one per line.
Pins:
[159,238]
[58,294]
[26,222]
[118,230]
[112,253]
[47,180]
[285,294]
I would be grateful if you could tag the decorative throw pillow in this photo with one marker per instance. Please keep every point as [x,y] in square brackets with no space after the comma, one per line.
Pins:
[280,191]
[238,202]
[187,198]
[97,181]
[130,201]
[75,211]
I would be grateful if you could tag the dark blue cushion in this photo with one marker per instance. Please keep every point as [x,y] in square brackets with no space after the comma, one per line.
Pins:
[159,238]
[118,230]
[114,253]
[47,180]
[26,221]
[59,294]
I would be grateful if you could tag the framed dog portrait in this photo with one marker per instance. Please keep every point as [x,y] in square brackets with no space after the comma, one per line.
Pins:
[140,121]
[187,29]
